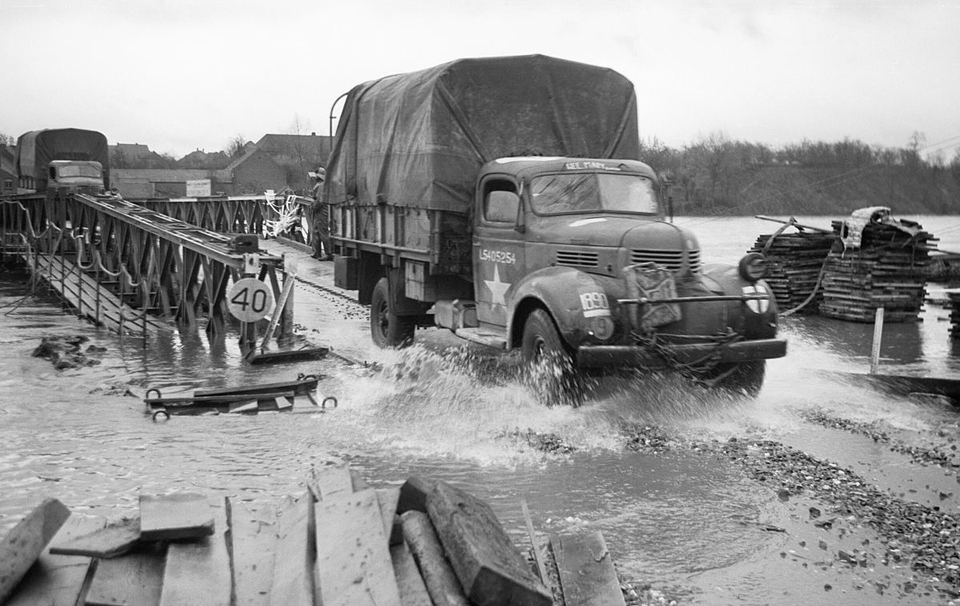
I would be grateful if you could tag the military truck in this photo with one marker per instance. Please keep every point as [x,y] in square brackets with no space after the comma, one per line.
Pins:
[62,160]
[504,199]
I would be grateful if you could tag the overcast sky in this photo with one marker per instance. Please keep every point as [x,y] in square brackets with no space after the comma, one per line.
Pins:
[180,75]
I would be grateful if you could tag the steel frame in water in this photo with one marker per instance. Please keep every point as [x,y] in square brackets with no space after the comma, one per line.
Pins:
[159,264]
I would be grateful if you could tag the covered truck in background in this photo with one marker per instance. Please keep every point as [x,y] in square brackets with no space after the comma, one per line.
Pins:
[504,199]
[62,159]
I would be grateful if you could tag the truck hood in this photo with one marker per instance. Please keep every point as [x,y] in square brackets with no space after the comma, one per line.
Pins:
[613,232]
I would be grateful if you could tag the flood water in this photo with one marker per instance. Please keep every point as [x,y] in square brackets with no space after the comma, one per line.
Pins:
[679,519]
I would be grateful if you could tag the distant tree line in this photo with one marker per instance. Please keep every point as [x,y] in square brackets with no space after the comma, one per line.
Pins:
[719,176]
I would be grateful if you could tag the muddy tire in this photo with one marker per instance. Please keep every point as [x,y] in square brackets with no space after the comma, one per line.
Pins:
[549,367]
[745,378]
[387,328]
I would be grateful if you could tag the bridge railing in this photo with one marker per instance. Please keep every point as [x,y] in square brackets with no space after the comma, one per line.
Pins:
[159,264]
[266,215]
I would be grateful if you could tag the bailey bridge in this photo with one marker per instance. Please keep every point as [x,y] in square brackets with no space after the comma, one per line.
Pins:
[138,268]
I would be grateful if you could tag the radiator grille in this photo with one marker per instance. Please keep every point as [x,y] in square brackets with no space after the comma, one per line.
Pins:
[670,259]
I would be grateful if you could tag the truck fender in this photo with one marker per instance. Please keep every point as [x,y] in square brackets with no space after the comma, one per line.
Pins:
[761,320]
[563,292]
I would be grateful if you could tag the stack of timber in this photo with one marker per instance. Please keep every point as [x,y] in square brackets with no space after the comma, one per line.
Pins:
[887,270]
[794,262]
[338,543]
[954,295]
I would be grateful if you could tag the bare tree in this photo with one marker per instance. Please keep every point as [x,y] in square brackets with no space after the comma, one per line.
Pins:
[236,146]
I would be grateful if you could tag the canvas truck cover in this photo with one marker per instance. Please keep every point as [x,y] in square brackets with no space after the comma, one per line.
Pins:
[419,139]
[36,149]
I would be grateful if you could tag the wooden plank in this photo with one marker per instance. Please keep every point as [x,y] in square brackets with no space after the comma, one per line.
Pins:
[353,559]
[131,580]
[329,480]
[198,572]
[253,533]
[357,481]
[410,584]
[293,568]
[533,541]
[58,580]
[22,544]
[587,576]
[413,495]
[174,516]
[489,566]
[438,576]
[115,539]
[388,498]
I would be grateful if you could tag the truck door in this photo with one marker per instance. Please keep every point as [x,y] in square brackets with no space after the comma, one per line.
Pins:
[498,248]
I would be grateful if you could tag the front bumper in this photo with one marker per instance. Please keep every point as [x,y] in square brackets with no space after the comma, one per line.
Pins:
[637,356]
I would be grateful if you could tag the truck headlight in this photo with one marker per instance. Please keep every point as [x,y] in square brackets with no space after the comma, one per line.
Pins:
[753,267]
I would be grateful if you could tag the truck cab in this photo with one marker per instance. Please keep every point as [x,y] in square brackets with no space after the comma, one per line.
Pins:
[573,258]
[80,176]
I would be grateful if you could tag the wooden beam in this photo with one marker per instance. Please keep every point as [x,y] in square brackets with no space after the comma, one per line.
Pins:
[293,568]
[59,580]
[438,576]
[413,592]
[132,580]
[489,566]
[388,498]
[587,576]
[353,559]
[413,494]
[253,536]
[179,515]
[198,572]
[115,539]
[330,479]
[22,544]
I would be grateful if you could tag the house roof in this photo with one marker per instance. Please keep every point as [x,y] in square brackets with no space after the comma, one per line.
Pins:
[134,151]
[250,153]
[7,160]
[313,146]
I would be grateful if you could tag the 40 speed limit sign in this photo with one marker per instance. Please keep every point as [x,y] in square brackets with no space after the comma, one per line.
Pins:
[249,300]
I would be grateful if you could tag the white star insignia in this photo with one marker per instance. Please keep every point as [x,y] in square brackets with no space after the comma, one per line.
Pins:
[497,288]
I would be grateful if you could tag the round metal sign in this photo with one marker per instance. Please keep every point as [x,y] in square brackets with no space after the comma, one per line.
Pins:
[249,300]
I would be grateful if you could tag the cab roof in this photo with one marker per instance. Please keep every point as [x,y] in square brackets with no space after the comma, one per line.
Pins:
[526,167]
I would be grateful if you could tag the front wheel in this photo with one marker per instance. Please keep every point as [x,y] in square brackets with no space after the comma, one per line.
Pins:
[387,328]
[746,378]
[549,366]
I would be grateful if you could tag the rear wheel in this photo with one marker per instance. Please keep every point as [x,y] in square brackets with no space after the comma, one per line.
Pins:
[549,365]
[387,328]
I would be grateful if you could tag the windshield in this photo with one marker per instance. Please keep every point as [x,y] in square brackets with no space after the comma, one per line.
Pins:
[593,192]
[79,170]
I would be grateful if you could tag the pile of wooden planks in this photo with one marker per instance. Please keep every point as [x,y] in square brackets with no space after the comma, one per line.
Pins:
[887,270]
[338,543]
[794,263]
[954,295]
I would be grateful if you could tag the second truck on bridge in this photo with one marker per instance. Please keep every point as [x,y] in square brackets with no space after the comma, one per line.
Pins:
[503,199]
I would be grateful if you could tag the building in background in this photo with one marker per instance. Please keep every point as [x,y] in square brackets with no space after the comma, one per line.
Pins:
[275,162]
[8,172]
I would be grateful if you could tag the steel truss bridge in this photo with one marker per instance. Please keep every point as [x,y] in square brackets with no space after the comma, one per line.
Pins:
[137,268]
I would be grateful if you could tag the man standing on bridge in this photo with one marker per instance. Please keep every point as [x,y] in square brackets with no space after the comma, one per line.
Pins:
[321,218]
